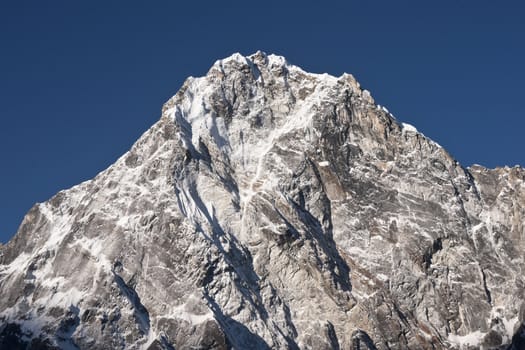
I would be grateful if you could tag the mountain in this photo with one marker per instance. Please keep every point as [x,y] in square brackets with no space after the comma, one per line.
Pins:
[273,208]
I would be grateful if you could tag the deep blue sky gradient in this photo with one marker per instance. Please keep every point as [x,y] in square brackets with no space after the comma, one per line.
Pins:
[80,81]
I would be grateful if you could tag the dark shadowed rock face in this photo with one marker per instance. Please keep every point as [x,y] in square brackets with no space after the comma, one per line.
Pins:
[272,208]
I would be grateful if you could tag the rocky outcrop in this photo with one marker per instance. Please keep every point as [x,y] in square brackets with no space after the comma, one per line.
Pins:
[273,208]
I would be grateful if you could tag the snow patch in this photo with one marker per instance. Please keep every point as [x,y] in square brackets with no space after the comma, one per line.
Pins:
[464,341]
[18,265]
[409,128]
[181,313]
[237,57]
[436,144]
[509,326]
[276,60]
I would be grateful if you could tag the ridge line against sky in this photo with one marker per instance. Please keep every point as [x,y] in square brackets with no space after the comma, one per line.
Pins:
[81,81]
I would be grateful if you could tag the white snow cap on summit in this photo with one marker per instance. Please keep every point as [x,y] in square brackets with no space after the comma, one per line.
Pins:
[276,60]
[234,57]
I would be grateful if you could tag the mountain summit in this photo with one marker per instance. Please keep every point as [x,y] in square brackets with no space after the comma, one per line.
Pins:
[272,208]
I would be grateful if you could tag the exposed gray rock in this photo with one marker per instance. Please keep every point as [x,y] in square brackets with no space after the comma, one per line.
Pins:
[273,208]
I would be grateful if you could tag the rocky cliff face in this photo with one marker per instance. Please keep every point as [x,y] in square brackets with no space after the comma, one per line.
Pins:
[273,208]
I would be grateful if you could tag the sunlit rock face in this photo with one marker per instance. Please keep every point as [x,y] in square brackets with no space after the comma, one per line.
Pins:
[273,208]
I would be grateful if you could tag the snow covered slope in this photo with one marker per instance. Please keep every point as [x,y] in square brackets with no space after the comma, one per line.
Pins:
[272,208]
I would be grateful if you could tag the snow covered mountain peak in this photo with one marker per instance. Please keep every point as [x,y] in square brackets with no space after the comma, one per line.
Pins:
[272,208]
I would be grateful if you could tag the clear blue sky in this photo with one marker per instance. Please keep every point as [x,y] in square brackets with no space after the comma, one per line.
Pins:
[80,81]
